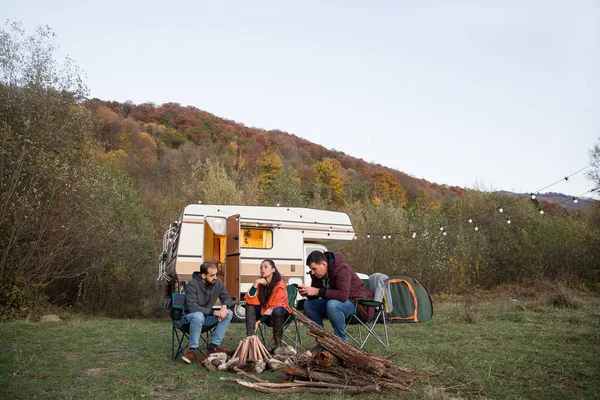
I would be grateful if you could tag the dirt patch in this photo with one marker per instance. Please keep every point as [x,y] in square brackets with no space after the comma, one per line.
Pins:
[93,372]
[50,318]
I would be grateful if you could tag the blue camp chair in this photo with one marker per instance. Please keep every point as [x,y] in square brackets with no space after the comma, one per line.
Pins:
[287,339]
[370,326]
[181,331]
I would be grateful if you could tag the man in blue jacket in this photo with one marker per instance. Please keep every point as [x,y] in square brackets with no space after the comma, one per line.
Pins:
[201,294]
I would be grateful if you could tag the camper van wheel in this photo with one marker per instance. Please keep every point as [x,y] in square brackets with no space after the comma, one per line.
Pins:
[239,312]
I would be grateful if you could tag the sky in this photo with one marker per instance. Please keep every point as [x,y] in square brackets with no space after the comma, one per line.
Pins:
[493,95]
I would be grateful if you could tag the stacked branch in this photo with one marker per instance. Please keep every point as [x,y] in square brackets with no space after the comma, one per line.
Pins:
[341,363]
[251,349]
[338,366]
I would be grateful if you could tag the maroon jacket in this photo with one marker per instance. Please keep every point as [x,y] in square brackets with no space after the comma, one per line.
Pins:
[344,284]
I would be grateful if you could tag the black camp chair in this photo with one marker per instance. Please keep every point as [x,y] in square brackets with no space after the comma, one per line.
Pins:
[296,340]
[181,331]
[369,326]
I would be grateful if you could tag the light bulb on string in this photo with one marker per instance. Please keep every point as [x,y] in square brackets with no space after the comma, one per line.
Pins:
[500,209]
[384,237]
[575,200]
[389,236]
[445,233]
[414,235]
[476,228]
[355,237]
[441,228]
[470,220]
[508,221]
[277,204]
[532,196]
[541,212]
[368,235]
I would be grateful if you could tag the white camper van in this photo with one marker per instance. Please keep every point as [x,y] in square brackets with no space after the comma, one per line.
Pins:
[238,238]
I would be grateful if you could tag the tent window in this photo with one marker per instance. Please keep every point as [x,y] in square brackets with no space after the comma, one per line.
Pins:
[257,238]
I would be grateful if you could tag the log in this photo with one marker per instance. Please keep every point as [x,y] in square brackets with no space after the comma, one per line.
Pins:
[247,375]
[341,349]
[244,351]
[313,375]
[302,387]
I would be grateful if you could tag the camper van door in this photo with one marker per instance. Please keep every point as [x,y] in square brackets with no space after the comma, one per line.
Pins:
[232,258]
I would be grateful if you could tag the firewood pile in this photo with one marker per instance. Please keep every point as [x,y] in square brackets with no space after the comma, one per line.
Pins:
[336,366]
[250,356]
[251,348]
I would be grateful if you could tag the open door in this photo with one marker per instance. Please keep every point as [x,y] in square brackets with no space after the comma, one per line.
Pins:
[232,259]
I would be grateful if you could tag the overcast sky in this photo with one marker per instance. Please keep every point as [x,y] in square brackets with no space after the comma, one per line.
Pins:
[497,95]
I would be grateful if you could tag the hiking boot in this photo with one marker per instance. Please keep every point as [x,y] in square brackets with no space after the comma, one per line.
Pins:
[250,319]
[277,321]
[189,356]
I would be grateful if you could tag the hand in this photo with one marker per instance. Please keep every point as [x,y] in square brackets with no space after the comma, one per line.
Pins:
[308,291]
[260,281]
[256,324]
[220,314]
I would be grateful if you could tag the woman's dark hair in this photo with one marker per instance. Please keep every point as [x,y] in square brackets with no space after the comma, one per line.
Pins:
[264,292]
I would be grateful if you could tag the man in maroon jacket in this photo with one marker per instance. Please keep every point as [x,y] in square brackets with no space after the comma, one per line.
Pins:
[334,291]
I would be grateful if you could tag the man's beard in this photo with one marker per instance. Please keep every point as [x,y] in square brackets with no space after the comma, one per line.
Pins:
[211,283]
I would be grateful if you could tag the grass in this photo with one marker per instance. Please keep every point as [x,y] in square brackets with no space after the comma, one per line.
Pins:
[475,347]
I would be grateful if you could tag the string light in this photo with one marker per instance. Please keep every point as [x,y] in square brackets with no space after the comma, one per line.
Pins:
[500,209]
[389,236]
[508,221]
[476,228]
[414,235]
[368,235]
[441,228]
[574,200]
[532,196]
[277,204]
[470,220]
[384,237]
[541,211]
[445,233]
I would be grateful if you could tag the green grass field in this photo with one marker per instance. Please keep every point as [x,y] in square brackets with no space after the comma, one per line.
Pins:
[502,349]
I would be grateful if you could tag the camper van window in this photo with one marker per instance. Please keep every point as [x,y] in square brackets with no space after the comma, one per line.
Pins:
[257,238]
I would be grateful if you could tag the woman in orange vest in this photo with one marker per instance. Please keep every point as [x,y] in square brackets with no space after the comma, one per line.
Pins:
[267,298]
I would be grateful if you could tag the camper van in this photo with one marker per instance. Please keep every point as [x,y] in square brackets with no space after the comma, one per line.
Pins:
[238,238]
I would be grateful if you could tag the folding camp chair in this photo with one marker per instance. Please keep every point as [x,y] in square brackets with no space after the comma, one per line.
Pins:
[181,329]
[296,340]
[370,326]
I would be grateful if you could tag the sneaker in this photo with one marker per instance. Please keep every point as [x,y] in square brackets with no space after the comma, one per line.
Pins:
[212,347]
[189,356]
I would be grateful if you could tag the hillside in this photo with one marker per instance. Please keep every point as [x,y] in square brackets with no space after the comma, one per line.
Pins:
[552,199]
[174,125]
